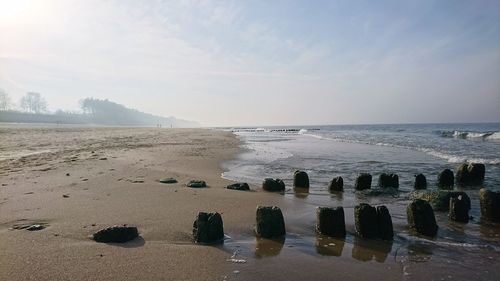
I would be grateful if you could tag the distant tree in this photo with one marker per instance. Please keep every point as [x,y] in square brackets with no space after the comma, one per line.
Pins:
[87,105]
[33,102]
[4,100]
[107,112]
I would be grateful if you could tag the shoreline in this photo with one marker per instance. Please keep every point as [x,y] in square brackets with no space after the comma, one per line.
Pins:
[471,247]
[117,184]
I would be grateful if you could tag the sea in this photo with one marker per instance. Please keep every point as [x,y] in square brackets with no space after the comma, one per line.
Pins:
[325,152]
[460,251]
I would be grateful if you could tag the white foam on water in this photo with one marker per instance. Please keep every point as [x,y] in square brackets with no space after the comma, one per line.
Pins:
[264,151]
[460,159]
[471,135]
[316,136]
[494,136]
[450,158]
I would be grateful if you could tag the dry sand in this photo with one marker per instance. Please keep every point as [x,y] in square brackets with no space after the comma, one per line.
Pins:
[78,180]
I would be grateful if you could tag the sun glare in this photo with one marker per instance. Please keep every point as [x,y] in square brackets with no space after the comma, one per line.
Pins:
[19,11]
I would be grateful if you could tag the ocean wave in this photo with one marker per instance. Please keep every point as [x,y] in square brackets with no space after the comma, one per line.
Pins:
[450,158]
[451,243]
[316,136]
[471,135]
[494,136]
[263,152]
[272,130]
[273,140]
[460,159]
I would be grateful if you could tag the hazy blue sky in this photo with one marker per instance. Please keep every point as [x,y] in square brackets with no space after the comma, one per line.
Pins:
[260,62]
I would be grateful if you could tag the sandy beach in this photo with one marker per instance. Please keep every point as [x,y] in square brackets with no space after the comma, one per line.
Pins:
[112,180]
[77,180]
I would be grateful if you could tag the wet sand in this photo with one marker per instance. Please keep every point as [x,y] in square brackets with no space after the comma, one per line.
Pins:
[77,180]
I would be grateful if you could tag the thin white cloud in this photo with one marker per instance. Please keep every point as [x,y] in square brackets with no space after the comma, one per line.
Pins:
[192,58]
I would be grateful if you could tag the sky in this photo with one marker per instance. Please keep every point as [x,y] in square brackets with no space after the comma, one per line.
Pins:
[256,63]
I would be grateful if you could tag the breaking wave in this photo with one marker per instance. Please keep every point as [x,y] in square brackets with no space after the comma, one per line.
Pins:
[471,135]
[460,159]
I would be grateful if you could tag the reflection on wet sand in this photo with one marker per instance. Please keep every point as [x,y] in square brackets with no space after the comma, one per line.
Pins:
[327,246]
[362,249]
[301,192]
[337,195]
[367,249]
[457,227]
[419,251]
[267,247]
[489,230]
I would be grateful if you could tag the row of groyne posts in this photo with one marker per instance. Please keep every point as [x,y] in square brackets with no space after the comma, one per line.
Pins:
[370,222]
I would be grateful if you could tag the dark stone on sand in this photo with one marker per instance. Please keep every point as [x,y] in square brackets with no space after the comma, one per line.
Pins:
[35,227]
[337,184]
[116,234]
[208,228]
[67,174]
[385,229]
[440,199]
[373,222]
[446,179]
[420,182]
[270,222]
[363,181]
[470,174]
[103,158]
[300,179]
[366,221]
[388,180]
[239,186]
[421,217]
[490,205]
[168,180]
[196,184]
[273,185]
[459,210]
[330,221]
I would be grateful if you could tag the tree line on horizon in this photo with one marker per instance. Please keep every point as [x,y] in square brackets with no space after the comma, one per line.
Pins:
[108,112]
[94,111]
[31,102]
